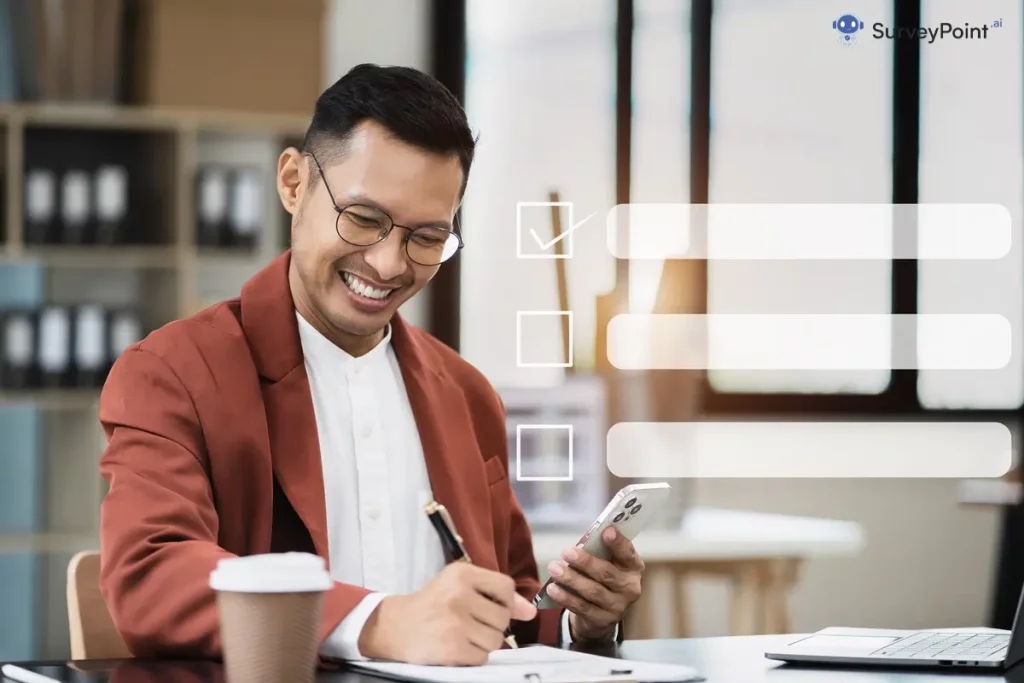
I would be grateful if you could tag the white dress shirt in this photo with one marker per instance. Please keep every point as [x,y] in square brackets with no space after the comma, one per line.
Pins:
[375,479]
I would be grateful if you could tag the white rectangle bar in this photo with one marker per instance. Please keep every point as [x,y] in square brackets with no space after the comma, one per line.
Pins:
[819,341]
[833,450]
[808,231]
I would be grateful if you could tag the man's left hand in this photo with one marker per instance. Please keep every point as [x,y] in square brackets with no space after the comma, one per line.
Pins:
[604,588]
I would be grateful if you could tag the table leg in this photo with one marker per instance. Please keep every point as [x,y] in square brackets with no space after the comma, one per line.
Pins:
[746,589]
[639,619]
[682,608]
[778,577]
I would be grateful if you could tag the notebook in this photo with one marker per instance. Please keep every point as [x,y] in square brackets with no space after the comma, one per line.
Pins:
[536,664]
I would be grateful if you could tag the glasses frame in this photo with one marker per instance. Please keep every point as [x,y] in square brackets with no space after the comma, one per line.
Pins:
[384,233]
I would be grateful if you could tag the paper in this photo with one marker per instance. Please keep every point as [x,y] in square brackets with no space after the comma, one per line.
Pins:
[544,664]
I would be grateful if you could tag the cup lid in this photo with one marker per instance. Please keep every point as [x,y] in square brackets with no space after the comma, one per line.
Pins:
[272,573]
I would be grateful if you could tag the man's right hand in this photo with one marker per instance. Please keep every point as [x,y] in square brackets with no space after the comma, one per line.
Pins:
[455,620]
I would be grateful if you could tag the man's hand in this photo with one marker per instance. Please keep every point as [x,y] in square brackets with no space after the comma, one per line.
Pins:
[604,588]
[455,620]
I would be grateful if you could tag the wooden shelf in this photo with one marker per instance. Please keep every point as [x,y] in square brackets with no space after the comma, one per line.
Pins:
[75,115]
[52,399]
[128,256]
[213,256]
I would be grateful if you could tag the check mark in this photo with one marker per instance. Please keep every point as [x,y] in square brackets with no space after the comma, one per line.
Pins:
[558,238]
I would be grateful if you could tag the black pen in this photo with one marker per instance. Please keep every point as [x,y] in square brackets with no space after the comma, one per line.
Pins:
[451,542]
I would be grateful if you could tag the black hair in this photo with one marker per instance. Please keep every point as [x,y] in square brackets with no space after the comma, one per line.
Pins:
[413,106]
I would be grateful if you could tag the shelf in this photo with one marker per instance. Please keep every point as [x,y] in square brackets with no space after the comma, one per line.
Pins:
[76,115]
[228,256]
[47,543]
[52,399]
[88,256]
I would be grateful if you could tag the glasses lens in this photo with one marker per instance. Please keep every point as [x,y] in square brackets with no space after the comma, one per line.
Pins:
[432,246]
[362,225]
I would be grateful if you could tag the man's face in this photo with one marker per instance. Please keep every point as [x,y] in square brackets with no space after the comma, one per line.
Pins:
[341,284]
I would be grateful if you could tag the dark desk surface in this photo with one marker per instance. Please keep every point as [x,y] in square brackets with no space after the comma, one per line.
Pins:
[719,660]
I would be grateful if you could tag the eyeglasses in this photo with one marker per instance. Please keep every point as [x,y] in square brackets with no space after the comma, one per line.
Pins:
[364,226]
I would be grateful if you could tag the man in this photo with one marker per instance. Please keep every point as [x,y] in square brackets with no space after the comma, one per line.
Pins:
[307,415]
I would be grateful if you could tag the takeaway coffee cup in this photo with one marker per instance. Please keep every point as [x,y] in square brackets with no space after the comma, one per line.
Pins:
[269,607]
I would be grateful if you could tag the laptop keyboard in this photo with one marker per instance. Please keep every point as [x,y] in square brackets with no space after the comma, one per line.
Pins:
[958,646]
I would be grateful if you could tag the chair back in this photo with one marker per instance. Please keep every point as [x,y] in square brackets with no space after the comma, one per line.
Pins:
[93,635]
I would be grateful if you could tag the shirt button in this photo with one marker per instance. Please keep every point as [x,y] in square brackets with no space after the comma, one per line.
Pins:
[366,431]
[373,514]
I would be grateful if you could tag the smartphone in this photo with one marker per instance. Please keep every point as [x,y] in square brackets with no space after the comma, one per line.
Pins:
[629,511]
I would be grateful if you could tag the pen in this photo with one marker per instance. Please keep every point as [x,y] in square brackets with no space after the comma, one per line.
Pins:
[451,542]
[16,673]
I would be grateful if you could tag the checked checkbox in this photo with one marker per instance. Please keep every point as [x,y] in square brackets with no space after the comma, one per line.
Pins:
[531,231]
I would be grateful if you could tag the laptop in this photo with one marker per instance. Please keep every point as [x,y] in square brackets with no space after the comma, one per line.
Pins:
[988,648]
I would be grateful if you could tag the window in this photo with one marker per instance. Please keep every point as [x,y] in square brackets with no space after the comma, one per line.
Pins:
[797,118]
[971,151]
[660,168]
[540,93]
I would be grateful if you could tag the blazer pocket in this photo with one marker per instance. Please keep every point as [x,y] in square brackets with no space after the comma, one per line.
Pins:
[494,469]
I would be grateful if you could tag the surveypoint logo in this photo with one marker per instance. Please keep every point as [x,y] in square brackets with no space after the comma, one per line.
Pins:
[847,25]
[850,27]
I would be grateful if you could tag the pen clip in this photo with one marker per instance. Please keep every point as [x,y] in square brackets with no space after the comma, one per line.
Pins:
[448,520]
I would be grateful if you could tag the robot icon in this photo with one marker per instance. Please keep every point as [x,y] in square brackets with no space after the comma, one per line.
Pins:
[847,25]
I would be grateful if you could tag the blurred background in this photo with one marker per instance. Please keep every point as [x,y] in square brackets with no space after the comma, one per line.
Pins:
[138,141]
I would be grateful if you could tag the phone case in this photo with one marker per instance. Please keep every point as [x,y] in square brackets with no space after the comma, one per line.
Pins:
[629,511]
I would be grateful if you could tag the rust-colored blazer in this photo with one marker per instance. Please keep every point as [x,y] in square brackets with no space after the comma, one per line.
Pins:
[213,452]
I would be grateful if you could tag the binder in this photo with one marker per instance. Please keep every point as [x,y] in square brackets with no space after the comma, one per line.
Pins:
[18,349]
[40,206]
[76,206]
[90,359]
[111,203]
[212,207]
[247,206]
[124,329]
[54,347]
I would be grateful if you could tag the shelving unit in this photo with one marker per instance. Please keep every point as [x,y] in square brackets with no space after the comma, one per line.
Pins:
[51,440]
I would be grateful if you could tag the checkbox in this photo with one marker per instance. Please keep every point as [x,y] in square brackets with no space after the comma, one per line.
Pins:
[548,452]
[533,230]
[533,328]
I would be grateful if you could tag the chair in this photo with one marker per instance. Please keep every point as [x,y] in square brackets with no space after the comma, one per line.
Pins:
[93,635]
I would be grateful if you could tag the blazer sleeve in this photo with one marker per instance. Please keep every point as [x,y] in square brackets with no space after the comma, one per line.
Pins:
[158,522]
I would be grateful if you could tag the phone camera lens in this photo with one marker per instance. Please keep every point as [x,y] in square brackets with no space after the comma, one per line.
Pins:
[635,510]
[618,517]
[630,503]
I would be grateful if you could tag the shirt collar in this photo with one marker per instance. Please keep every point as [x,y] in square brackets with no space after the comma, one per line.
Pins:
[317,346]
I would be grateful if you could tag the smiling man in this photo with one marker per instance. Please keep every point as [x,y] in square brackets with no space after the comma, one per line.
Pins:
[306,415]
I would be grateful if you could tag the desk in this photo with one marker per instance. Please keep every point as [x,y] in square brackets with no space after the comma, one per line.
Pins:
[759,553]
[734,659]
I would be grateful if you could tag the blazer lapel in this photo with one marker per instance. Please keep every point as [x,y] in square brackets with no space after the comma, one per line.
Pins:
[268,318]
[454,466]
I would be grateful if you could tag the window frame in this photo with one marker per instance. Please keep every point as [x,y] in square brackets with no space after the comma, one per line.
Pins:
[900,398]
